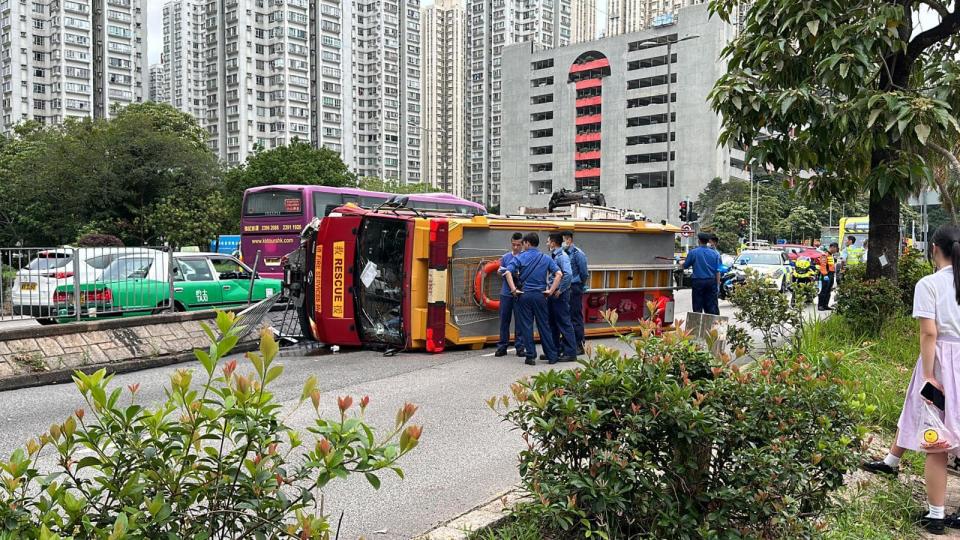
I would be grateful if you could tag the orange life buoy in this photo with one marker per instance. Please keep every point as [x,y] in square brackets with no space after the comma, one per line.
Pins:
[478,294]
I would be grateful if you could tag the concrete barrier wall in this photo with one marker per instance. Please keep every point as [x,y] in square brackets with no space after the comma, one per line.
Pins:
[47,354]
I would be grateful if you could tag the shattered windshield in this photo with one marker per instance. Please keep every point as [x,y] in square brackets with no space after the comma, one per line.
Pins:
[380,256]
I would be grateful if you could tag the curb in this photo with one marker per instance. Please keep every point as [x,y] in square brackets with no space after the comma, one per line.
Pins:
[60,376]
[485,516]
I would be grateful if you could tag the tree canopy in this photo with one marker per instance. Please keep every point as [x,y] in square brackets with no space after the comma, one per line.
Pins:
[101,176]
[296,163]
[847,91]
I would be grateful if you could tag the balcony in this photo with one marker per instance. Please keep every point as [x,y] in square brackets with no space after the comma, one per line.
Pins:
[583,156]
[589,83]
[591,119]
[587,66]
[588,137]
[584,102]
[588,173]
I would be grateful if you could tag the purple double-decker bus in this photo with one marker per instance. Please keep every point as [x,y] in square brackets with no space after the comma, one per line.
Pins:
[273,216]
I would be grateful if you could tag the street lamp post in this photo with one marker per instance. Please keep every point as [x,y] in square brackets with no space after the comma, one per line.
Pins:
[669,44]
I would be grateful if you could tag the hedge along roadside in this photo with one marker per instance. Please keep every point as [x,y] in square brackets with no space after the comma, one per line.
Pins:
[214,460]
[671,442]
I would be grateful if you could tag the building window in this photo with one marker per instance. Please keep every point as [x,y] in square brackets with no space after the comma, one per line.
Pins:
[652,157]
[541,150]
[650,119]
[540,133]
[541,167]
[540,116]
[588,184]
[542,81]
[541,187]
[661,40]
[542,98]
[646,82]
[542,64]
[651,62]
[652,138]
[649,180]
[650,100]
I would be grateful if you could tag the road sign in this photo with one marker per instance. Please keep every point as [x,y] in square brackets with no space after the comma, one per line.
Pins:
[686,230]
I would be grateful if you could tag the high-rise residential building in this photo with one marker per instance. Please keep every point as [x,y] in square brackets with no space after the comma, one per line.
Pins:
[620,116]
[71,58]
[443,95]
[262,73]
[386,124]
[331,78]
[257,59]
[624,16]
[584,20]
[491,26]
[158,88]
[183,55]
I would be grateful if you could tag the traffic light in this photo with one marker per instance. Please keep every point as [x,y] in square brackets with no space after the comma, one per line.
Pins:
[683,211]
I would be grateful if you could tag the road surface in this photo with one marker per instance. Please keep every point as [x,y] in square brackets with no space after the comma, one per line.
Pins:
[466,456]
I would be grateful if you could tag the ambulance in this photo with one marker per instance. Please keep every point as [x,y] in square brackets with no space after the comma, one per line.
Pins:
[402,279]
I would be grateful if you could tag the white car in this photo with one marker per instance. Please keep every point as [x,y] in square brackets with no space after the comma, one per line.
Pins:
[773,265]
[34,284]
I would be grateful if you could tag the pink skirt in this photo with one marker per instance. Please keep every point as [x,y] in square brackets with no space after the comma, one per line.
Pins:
[947,371]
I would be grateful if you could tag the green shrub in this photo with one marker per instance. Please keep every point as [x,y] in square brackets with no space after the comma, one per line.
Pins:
[739,340]
[99,240]
[761,306]
[7,275]
[215,460]
[643,446]
[867,305]
[912,267]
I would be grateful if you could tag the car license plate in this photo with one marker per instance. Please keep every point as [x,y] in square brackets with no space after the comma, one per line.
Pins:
[28,286]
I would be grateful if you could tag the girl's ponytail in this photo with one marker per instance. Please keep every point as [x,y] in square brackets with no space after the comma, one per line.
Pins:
[947,238]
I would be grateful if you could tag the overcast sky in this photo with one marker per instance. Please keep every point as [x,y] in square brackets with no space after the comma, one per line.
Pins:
[154,30]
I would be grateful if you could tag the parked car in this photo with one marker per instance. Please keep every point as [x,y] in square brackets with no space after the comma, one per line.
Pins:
[138,285]
[773,265]
[34,284]
[795,251]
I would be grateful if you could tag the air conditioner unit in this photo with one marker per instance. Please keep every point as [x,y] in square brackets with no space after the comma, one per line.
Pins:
[543,191]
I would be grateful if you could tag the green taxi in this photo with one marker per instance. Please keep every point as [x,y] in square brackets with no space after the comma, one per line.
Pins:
[138,285]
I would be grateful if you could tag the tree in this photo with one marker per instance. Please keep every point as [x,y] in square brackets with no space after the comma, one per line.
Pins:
[57,181]
[393,186]
[188,223]
[295,163]
[846,90]
[802,224]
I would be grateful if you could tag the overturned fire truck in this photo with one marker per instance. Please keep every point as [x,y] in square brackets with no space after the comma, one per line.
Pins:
[401,279]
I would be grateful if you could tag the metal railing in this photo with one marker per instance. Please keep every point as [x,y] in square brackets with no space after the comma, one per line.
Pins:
[68,283]
[64,284]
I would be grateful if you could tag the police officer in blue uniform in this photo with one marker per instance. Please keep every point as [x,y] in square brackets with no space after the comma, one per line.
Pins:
[507,301]
[559,302]
[579,281]
[525,276]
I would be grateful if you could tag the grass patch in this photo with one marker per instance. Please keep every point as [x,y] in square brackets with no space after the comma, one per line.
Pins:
[513,529]
[879,367]
[880,509]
